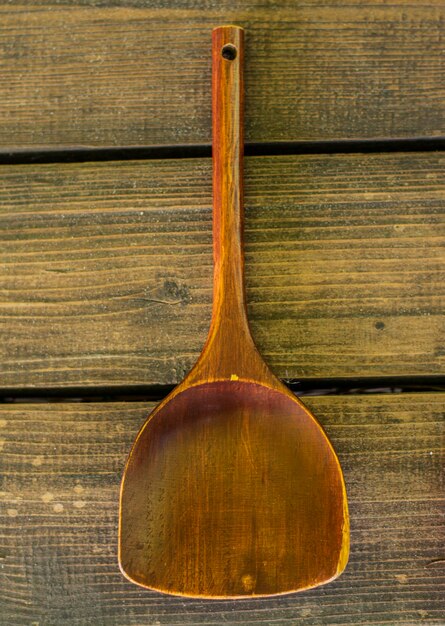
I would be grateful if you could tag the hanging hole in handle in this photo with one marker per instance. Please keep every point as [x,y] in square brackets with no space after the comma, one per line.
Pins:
[229,52]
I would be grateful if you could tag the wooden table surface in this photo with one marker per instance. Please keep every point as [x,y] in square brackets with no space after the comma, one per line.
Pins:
[106,266]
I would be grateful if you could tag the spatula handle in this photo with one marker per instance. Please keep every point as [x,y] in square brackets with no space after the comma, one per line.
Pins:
[228,143]
[229,352]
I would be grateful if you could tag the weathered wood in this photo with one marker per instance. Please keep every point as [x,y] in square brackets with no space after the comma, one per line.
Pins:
[62,465]
[125,73]
[107,268]
[219,496]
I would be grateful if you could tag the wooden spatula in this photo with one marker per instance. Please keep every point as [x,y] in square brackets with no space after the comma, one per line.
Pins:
[232,488]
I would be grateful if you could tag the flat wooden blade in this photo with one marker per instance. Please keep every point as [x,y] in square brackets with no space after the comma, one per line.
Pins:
[232,489]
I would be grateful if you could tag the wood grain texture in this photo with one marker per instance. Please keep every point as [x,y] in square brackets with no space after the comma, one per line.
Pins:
[231,488]
[61,467]
[107,268]
[132,72]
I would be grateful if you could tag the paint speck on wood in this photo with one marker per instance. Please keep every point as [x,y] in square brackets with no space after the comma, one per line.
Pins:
[401,578]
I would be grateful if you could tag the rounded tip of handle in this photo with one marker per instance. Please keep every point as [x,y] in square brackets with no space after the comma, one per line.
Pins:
[227,27]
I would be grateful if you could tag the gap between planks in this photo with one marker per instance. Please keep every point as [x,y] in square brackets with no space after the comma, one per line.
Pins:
[192,151]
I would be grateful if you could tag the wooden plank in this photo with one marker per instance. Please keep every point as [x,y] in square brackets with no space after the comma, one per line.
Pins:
[125,73]
[107,268]
[62,465]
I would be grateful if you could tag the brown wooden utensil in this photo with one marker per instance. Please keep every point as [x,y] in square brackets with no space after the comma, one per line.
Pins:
[232,488]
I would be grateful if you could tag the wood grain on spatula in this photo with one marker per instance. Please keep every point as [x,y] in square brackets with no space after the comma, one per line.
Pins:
[232,488]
